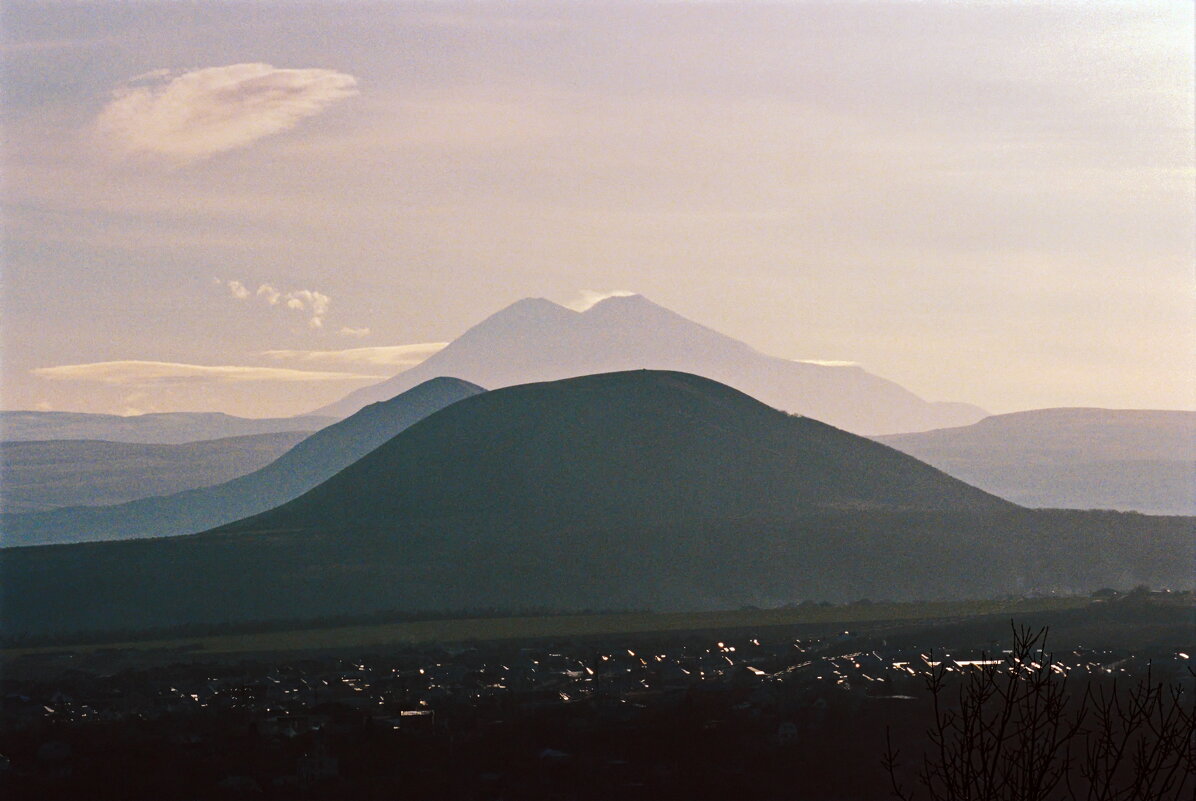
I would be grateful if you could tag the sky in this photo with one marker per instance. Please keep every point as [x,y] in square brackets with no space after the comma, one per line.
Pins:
[256,208]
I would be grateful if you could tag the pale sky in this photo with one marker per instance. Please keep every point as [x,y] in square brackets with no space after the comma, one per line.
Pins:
[256,208]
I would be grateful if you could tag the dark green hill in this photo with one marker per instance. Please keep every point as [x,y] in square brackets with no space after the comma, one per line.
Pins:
[622,448]
[629,490]
[304,466]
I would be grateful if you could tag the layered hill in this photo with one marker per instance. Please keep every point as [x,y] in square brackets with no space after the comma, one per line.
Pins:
[160,428]
[632,490]
[47,474]
[310,462]
[625,447]
[536,340]
[1072,458]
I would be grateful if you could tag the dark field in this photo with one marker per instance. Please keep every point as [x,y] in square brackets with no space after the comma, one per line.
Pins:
[789,703]
[283,638]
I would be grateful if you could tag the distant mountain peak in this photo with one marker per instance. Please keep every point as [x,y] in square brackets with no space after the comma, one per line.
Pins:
[634,299]
[532,303]
[528,314]
[531,308]
[535,339]
[624,305]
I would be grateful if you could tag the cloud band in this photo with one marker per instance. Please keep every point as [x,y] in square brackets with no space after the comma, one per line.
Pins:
[147,373]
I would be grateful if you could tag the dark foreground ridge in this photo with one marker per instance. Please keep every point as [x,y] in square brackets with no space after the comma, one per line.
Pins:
[637,490]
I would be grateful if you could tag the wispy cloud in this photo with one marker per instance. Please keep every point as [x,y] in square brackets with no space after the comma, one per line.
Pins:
[310,301]
[198,114]
[828,362]
[238,290]
[356,333]
[382,356]
[313,303]
[269,293]
[590,297]
[134,373]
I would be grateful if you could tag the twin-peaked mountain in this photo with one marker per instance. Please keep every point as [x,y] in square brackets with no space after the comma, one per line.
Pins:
[633,490]
[308,463]
[537,340]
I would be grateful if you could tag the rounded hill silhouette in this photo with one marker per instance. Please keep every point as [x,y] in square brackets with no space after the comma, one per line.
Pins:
[627,447]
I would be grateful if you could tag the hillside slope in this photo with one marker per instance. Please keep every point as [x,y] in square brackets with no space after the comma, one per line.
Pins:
[47,474]
[307,464]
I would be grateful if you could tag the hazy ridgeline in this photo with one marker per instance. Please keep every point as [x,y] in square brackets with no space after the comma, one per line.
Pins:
[1125,459]
[311,461]
[164,428]
[46,474]
[638,490]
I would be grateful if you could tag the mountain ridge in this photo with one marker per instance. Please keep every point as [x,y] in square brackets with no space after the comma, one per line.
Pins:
[306,464]
[534,340]
[643,489]
[38,475]
[161,428]
[1140,460]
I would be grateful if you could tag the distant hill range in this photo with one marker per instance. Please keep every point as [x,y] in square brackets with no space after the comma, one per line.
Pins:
[165,428]
[307,464]
[537,340]
[48,474]
[640,489]
[1131,460]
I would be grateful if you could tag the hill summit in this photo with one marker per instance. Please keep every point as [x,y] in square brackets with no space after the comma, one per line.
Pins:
[626,447]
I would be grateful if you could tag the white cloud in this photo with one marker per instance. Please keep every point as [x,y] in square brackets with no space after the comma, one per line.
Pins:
[315,302]
[204,112]
[269,293]
[382,356]
[589,298]
[356,333]
[147,374]
[239,291]
[305,300]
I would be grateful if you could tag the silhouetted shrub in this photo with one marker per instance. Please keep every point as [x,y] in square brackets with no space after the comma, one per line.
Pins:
[1017,730]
